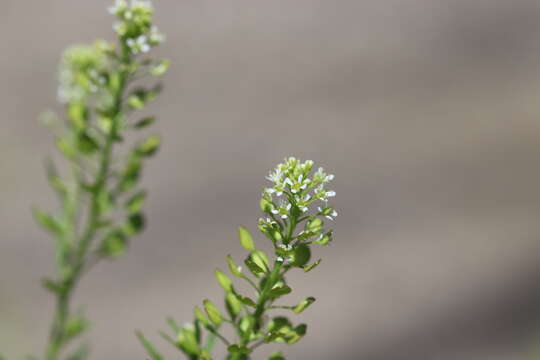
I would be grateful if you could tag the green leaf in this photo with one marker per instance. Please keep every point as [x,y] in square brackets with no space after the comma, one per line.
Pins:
[276,356]
[75,326]
[245,300]
[87,144]
[245,239]
[233,305]
[254,268]
[304,305]
[161,68]
[78,115]
[188,341]
[54,179]
[235,269]
[149,347]
[114,244]
[223,280]
[81,353]
[213,312]
[53,286]
[279,291]
[299,332]
[47,222]
[199,315]
[325,239]
[149,146]
[66,147]
[312,266]
[134,224]
[301,255]
[131,173]
[236,349]
[145,122]
[315,225]
[260,259]
[136,202]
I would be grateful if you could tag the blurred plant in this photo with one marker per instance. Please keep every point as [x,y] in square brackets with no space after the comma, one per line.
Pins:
[101,205]
[292,226]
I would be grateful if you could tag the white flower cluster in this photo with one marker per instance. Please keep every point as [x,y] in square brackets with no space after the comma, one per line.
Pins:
[135,25]
[295,188]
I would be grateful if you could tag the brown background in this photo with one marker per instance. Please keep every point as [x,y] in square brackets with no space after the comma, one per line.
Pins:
[426,110]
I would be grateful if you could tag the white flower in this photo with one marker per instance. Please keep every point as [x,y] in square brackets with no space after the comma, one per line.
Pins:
[118,6]
[332,215]
[330,193]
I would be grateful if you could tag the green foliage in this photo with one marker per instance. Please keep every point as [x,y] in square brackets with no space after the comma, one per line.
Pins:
[293,227]
[100,202]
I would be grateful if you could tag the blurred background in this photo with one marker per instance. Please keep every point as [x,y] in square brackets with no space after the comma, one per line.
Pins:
[426,110]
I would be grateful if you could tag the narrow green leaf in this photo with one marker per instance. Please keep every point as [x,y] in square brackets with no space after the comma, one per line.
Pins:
[245,239]
[149,347]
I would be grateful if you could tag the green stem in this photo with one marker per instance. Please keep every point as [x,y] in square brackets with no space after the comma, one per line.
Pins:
[76,264]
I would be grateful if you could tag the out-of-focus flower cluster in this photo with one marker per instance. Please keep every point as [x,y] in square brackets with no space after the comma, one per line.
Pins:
[135,25]
[82,71]
[291,199]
